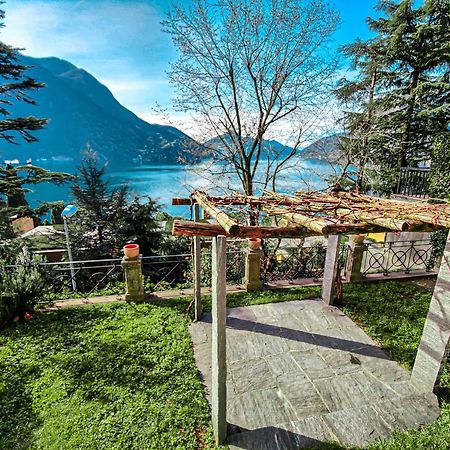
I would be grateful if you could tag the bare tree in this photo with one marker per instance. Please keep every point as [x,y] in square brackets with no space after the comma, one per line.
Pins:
[249,70]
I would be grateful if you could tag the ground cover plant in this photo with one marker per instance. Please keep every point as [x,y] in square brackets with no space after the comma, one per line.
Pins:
[115,376]
[123,376]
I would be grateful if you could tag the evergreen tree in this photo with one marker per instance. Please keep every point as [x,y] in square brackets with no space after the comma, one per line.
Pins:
[107,219]
[14,86]
[100,205]
[401,96]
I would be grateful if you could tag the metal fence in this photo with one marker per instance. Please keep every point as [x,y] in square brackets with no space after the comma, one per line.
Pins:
[105,276]
[413,182]
[296,263]
[399,256]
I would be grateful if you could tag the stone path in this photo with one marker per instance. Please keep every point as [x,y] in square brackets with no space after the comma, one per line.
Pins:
[302,372]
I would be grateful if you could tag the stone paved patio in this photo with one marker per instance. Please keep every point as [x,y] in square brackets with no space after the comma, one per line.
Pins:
[302,372]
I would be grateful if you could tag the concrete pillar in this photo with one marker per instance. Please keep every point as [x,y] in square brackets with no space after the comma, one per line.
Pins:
[197,269]
[433,348]
[219,324]
[132,268]
[356,249]
[252,276]
[330,270]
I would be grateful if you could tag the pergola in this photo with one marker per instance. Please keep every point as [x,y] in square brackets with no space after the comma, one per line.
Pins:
[330,214]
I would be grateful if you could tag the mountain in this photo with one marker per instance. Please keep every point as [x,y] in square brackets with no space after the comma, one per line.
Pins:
[82,112]
[326,148]
[269,146]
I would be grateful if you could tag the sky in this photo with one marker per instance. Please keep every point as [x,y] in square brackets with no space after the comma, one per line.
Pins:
[122,44]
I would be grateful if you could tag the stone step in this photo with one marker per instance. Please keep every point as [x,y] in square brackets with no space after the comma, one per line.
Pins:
[349,427]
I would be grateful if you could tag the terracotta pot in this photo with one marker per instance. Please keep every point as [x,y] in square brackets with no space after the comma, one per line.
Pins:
[358,238]
[131,250]
[254,243]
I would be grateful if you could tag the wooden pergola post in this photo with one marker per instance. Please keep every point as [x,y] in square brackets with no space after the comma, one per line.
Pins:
[434,344]
[330,269]
[219,324]
[197,269]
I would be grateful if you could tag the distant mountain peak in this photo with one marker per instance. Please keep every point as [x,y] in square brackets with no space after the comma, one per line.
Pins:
[83,111]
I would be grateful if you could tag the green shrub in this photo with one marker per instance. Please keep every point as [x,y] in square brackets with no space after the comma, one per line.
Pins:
[20,289]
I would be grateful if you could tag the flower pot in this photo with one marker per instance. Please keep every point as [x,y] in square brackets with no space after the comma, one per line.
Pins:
[358,238]
[131,250]
[254,243]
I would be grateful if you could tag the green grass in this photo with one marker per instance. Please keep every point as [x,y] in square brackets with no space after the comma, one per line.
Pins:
[107,377]
[123,376]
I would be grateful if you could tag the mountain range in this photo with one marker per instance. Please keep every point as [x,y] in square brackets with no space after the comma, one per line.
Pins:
[83,112]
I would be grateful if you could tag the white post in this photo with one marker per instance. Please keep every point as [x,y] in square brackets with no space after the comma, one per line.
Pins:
[197,268]
[330,269]
[69,253]
[219,317]
[432,352]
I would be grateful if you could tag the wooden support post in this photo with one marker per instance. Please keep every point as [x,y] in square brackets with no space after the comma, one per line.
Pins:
[432,352]
[197,268]
[219,315]
[330,270]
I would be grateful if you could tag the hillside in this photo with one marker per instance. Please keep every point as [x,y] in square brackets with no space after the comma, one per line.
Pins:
[323,149]
[274,148]
[82,112]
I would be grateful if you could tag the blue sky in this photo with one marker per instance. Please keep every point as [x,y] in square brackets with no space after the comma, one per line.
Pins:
[121,42]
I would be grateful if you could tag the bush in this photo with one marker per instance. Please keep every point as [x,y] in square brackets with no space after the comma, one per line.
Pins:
[20,289]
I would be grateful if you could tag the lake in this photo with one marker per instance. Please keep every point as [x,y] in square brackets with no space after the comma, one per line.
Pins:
[161,183]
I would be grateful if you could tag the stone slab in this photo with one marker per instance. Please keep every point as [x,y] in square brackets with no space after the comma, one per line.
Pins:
[293,384]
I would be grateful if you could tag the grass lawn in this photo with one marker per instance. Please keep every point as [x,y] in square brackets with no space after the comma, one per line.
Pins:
[123,376]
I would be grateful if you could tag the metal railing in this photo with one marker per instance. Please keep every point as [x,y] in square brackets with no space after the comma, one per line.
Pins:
[413,182]
[399,256]
[105,276]
[297,263]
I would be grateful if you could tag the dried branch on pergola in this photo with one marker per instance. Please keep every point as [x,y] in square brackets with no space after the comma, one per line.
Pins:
[312,214]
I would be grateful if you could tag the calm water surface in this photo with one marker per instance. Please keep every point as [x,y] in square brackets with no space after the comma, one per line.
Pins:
[161,183]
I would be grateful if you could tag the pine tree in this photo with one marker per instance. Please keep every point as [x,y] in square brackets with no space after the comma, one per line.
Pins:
[401,96]
[14,86]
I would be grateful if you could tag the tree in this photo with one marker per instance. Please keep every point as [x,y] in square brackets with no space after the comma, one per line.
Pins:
[247,69]
[14,86]
[107,218]
[401,95]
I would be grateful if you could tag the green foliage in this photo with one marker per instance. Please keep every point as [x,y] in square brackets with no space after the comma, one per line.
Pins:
[102,377]
[15,84]
[439,187]
[400,99]
[439,181]
[20,289]
[108,218]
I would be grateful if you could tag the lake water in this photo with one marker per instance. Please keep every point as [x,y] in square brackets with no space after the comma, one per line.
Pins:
[161,183]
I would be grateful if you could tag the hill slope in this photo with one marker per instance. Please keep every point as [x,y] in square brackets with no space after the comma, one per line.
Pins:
[82,112]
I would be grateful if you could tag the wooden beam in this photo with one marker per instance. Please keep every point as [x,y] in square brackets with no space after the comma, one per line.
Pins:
[219,342]
[330,269]
[230,225]
[177,201]
[197,269]
[346,213]
[189,228]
